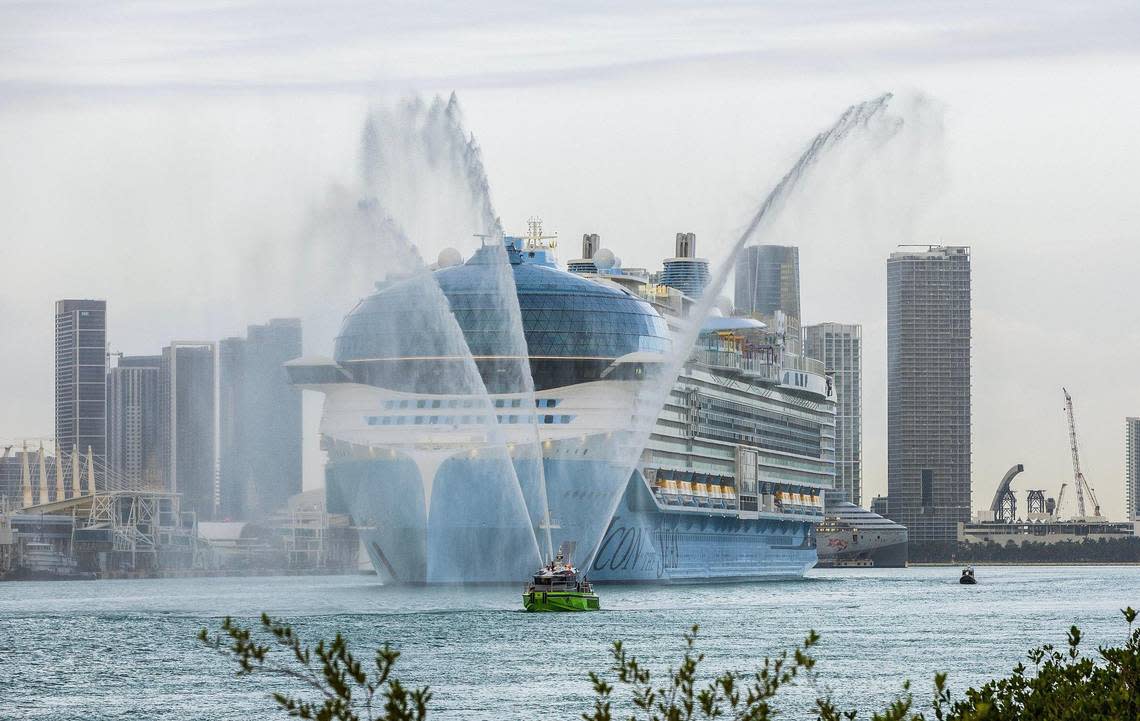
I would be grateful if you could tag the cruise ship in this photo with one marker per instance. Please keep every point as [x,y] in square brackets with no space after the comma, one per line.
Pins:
[851,536]
[457,468]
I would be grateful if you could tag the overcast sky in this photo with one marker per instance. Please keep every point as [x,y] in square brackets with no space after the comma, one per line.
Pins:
[148,151]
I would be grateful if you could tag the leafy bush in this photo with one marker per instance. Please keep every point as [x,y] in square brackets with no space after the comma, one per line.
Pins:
[1101,550]
[1061,686]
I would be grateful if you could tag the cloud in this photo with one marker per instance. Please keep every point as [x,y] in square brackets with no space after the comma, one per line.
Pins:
[78,48]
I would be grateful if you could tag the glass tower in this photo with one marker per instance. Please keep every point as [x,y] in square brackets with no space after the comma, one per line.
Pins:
[187,425]
[840,347]
[260,420]
[767,281]
[1132,468]
[928,391]
[133,422]
[80,378]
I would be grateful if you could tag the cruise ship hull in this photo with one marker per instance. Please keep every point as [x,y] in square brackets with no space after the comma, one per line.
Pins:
[850,536]
[648,543]
[472,539]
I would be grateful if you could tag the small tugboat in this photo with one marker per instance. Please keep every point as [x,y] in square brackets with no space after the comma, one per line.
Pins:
[968,576]
[556,587]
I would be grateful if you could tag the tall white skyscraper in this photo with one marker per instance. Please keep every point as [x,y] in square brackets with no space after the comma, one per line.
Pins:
[840,347]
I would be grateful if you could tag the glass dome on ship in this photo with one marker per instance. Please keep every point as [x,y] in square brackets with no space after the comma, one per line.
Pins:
[448,441]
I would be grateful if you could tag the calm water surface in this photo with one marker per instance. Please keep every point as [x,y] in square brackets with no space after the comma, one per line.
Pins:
[126,649]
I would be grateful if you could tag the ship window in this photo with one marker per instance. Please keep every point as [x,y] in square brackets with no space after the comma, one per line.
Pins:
[419,420]
[565,419]
[435,404]
[421,404]
[548,419]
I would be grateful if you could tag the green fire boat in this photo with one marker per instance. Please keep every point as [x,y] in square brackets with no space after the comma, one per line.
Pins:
[556,587]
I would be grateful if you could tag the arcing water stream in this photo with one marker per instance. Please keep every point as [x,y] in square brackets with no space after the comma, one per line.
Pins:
[460,332]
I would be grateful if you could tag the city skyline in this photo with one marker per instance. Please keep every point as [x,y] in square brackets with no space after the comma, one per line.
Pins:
[191,164]
[689,239]
[404,326]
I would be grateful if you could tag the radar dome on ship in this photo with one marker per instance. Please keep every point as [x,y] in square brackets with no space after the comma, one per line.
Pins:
[449,257]
[604,259]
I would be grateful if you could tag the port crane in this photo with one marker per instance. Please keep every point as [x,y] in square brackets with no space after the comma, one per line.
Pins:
[1081,486]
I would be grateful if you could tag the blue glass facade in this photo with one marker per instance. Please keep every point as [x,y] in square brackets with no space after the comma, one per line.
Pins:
[573,327]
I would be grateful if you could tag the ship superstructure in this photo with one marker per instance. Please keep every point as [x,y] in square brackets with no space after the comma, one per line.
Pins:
[850,535]
[734,474]
[456,471]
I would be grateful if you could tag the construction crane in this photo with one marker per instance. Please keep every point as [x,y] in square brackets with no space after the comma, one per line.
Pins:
[1060,500]
[1082,486]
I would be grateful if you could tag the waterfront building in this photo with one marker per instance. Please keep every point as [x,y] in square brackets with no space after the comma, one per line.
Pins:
[133,391]
[187,424]
[1132,468]
[767,283]
[259,421]
[80,377]
[1047,530]
[723,483]
[840,347]
[928,391]
[686,272]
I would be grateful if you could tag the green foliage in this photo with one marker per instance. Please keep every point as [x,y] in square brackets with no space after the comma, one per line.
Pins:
[1061,685]
[344,689]
[1101,550]
[730,695]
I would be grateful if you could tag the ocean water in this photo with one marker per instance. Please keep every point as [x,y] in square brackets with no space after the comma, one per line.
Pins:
[126,649]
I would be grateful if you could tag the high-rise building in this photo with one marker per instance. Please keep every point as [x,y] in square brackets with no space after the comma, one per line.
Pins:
[1132,468]
[133,453]
[686,272]
[187,424]
[768,281]
[840,347]
[879,506]
[260,420]
[928,391]
[81,377]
